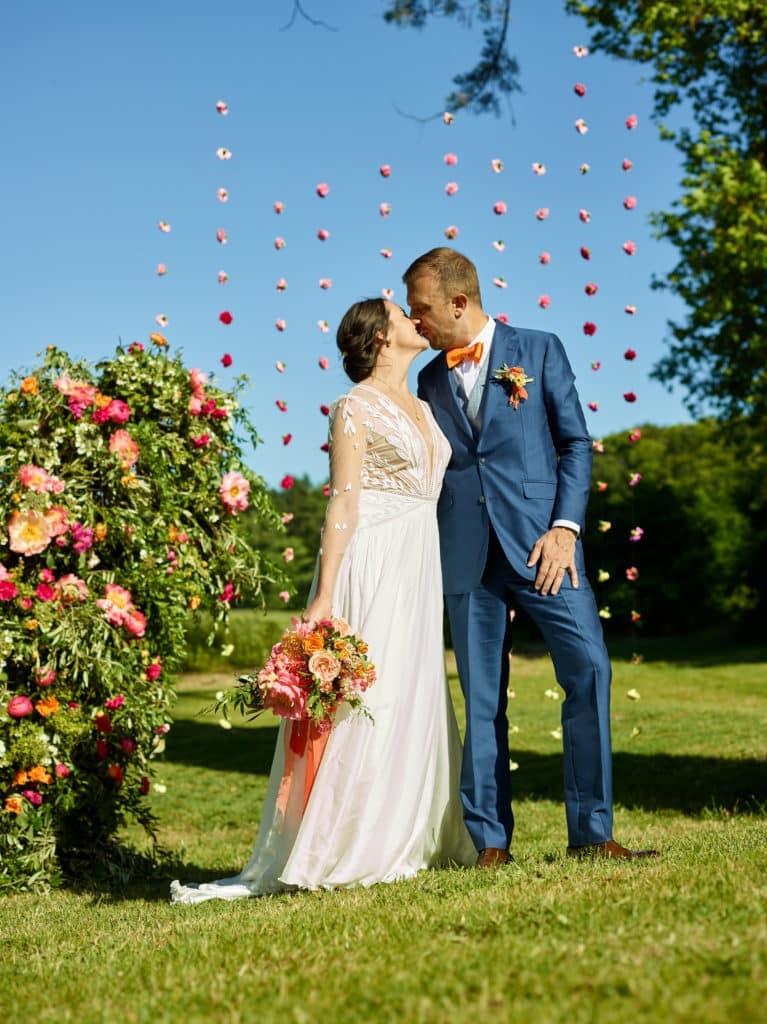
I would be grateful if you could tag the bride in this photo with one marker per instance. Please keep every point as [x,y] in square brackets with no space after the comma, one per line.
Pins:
[384,803]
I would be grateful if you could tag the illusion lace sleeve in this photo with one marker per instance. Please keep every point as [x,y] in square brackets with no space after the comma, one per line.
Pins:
[347,445]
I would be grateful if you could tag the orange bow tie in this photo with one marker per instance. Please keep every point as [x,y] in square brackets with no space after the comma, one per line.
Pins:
[458,355]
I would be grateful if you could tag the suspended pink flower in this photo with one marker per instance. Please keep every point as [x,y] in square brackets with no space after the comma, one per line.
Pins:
[497,166]
[539,168]
[281,285]
[632,121]
[542,214]
[631,310]
[499,246]
[126,449]
[278,206]
[499,208]
[384,209]
[579,89]
[544,301]
[164,226]
[629,248]
[385,170]
[451,188]
[451,159]
[323,234]
[630,202]
[447,118]
[386,253]
[325,410]
[595,366]
[636,534]
[322,189]
[161,319]
[591,288]
[280,368]
[221,236]
[288,555]
[225,317]
[629,396]
[451,232]
[287,438]
[281,405]
[324,326]
[544,258]
[598,446]
[503,318]
[161,269]
[223,153]
[325,447]
[584,168]
[226,360]
[234,492]
[629,354]
[280,325]
[581,127]
[584,216]
[387,293]
[325,283]
[594,406]
[627,164]
[585,253]
[323,362]
[589,328]
[284,596]
[223,277]
[287,482]
[632,573]
[581,51]
[326,490]
[500,282]
[28,533]
[602,485]
[634,479]
[287,517]
[222,108]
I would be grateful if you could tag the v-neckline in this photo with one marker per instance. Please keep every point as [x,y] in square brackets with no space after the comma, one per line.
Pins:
[429,449]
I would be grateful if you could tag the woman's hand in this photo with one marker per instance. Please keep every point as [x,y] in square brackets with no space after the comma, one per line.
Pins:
[318,610]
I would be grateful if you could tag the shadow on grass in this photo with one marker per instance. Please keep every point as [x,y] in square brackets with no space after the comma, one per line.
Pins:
[686,783]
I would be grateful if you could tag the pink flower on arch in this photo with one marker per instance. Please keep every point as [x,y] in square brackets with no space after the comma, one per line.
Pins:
[115,604]
[234,492]
[124,446]
[19,706]
[28,533]
[70,588]
[56,519]
[36,479]
[135,622]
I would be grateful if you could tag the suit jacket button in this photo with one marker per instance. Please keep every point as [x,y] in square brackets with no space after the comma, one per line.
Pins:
[482,461]
[482,499]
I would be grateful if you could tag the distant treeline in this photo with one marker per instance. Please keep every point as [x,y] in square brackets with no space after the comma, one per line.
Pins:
[701,504]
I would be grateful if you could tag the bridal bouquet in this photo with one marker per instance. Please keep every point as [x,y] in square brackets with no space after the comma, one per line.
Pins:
[315,667]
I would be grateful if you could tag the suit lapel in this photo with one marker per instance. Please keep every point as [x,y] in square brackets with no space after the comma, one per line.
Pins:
[505,349]
[448,398]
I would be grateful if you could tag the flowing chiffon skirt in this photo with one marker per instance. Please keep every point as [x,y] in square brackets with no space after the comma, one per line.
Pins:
[385,801]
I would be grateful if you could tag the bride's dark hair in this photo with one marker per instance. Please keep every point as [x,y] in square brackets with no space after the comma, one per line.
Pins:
[360,335]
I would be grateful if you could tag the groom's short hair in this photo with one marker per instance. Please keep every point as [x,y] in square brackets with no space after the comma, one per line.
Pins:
[455,273]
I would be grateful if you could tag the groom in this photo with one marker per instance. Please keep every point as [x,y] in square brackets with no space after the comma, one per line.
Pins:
[511,515]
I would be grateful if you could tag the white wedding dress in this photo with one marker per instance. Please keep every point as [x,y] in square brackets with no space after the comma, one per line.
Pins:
[385,800]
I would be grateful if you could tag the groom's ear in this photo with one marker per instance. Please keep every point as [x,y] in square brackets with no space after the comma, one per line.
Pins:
[459,303]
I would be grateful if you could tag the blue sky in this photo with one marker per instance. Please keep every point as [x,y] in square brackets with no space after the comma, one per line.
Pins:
[111,122]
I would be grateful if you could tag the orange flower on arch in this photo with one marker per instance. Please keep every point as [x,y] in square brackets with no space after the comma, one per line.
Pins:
[46,706]
[13,804]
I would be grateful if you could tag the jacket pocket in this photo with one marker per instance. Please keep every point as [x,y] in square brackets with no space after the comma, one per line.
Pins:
[540,489]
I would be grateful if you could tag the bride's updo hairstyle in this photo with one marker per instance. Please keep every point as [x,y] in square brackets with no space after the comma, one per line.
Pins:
[360,336]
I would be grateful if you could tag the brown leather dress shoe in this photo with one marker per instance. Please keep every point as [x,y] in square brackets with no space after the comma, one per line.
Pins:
[492,857]
[611,850]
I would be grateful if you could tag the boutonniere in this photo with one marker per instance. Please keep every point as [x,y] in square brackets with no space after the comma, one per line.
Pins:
[513,378]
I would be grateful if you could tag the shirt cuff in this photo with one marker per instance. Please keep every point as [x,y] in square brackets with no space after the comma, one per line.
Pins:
[569,524]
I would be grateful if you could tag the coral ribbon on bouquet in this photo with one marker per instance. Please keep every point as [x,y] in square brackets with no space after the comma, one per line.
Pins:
[303,741]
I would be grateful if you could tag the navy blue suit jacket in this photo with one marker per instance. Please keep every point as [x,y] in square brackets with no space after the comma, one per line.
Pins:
[526,468]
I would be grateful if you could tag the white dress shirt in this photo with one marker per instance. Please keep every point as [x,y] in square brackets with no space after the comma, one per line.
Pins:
[467,373]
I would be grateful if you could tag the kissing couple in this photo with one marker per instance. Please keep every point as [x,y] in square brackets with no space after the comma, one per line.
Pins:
[476,488]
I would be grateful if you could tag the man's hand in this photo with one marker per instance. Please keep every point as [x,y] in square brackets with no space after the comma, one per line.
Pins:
[556,552]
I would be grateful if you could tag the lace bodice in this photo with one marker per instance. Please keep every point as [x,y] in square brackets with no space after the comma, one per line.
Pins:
[395,454]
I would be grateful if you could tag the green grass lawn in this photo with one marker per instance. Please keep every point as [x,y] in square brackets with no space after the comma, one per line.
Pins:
[683,938]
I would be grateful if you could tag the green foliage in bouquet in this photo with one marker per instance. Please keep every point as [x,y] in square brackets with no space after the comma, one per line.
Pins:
[121,488]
